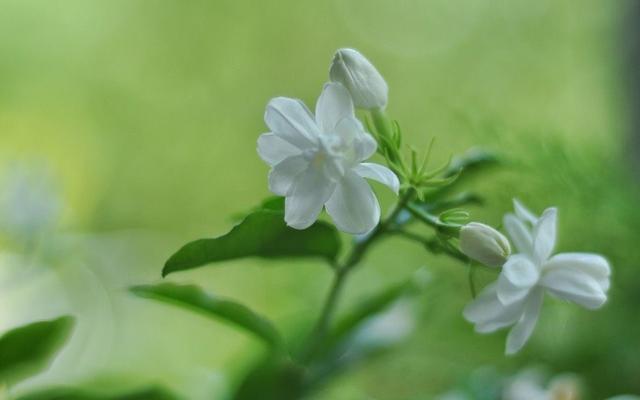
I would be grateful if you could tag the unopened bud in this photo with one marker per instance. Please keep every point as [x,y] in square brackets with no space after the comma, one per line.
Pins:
[367,87]
[484,244]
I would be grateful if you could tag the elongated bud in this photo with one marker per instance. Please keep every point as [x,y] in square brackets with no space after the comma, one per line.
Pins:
[484,244]
[361,78]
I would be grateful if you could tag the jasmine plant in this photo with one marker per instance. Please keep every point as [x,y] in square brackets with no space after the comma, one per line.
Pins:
[320,161]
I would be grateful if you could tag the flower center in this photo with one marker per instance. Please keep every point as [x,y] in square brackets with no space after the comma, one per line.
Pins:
[328,156]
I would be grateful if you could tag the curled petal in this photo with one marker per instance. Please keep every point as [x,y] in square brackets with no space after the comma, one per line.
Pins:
[544,234]
[284,174]
[520,271]
[291,120]
[305,198]
[522,331]
[333,105]
[353,206]
[575,286]
[489,314]
[365,146]
[517,278]
[508,293]
[348,129]
[352,134]
[593,264]
[519,234]
[273,149]
[378,173]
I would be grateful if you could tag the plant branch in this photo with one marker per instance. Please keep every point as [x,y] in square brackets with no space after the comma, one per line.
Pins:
[342,270]
[433,221]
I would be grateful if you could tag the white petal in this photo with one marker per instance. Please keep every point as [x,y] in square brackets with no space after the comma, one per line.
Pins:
[519,234]
[305,198]
[522,331]
[484,306]
[508,293]
[365,146]
[544,234]
[284,174]
[575,286]
[523,213]
[291,120]
[273,149]
[348,129]
[333,105]
[378,173]
[353,206]
[520,271]
[488,313]
[506,316]
[362,143]
[593,264]
[517,278]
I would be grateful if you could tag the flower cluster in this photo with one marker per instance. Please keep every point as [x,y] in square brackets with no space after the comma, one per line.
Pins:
[516,297]
[319,161]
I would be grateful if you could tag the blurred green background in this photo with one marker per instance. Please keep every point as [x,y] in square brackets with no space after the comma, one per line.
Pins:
[146,113]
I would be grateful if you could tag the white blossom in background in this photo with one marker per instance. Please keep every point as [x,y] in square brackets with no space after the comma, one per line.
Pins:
[319,161]
[388,328]
[484,244]
[517,296]
[367,87]
[29,201]
[528,385]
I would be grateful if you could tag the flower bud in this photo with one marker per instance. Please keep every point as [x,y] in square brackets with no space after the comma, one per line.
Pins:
[484,244]
[360,77]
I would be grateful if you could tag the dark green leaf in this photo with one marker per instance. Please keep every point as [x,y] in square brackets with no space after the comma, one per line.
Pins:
[194,298]
[63,393]
[468,166]
[274,378]
[29,349]
[274,203]
[261,234]
[472,161]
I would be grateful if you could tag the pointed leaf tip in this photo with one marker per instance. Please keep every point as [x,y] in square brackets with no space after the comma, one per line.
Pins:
[262,233]
[29,349]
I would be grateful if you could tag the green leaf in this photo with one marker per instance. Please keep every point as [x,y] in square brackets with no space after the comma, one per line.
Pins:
[194,298]
[29,349]
[261,234]
[273,203]
[274,378]
[64,393]
[472,161]
[469,166]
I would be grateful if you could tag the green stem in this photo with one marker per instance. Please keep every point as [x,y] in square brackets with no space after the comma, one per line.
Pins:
[381,122]
[433,244]
[472,285]
[432,220]
[341,272]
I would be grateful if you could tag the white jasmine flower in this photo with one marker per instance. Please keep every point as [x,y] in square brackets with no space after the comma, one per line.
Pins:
[515,299]
[484,244]
[318,161]
[360,77]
